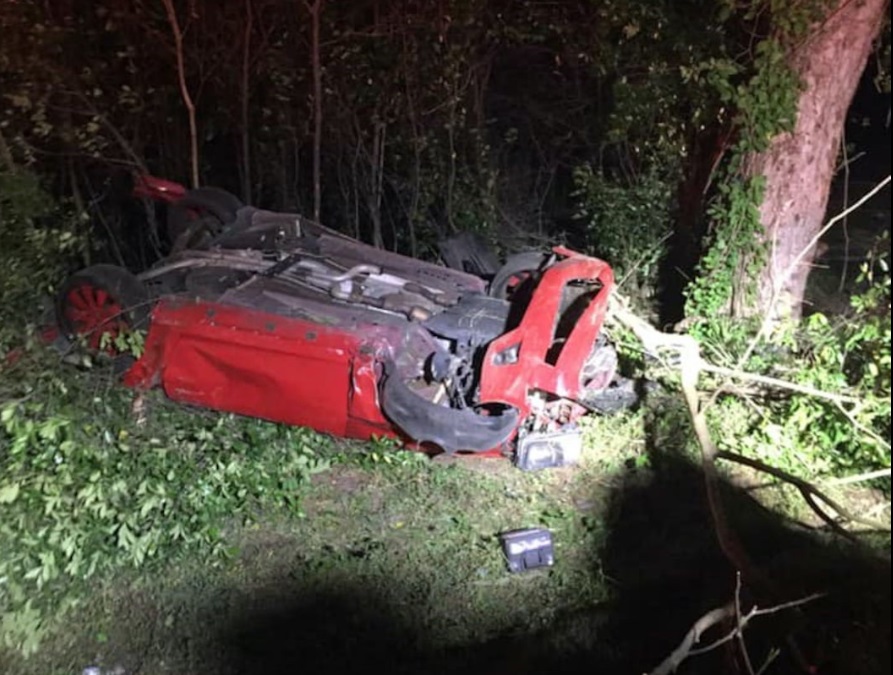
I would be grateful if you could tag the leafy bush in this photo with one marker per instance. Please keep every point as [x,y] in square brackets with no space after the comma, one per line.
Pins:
[626,224]
[84,492]
[848,356]
[39,243]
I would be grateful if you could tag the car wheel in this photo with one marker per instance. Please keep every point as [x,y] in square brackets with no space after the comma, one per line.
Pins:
[202,213]
[518,271]
[619,395]
[103,300]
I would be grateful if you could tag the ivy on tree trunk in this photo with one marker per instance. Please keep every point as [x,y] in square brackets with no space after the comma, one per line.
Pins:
[798,165]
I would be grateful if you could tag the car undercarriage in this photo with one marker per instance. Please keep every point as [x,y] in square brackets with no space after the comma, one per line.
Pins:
[279,317]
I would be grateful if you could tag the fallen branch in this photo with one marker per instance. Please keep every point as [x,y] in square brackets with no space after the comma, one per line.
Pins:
[740,622]
[684,650]
[656,342]
[859,477]
[809,491]
[752,614]
[715,616]
[690,366]
[778,383]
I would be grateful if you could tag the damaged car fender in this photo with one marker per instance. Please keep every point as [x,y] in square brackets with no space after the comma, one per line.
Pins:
[450,429]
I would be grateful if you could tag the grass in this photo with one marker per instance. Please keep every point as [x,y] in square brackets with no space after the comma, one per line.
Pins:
[386,535]
[366,555]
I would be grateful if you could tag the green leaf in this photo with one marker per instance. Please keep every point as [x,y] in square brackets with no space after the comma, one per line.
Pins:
[9,493]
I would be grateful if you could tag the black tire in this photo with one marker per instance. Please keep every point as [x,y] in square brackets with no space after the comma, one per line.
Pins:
[202,213]
[521,268]
[102,299]
[620,395]
[469,252]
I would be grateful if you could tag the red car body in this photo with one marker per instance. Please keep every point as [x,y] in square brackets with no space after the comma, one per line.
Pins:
[282,319]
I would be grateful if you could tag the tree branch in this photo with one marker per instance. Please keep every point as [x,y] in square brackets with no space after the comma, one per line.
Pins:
[777,383]
[690,365]
[244,108]
[769,318]
[184,89]
[684,650]
[715,616]
[315,8]
[739,622]
[808,490]
[858,478]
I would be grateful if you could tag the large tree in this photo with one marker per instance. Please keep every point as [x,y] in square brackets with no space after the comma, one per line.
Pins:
[798,165]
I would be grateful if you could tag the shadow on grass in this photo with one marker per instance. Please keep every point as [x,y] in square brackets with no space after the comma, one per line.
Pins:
[338,632]
[337,610]
[666,569]
[669,571]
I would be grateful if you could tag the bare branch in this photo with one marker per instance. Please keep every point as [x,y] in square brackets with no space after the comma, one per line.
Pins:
[739,622]
[778,383]
[682,652]
[785,605]
[768,320]
[808,490]
[859,477]
[315,9]
[244,88]
[833,221]
[184,88]
[716,616]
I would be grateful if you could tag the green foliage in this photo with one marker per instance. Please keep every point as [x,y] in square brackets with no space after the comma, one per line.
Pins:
[764,97]
[847,356]
[38,243]
[850,356]
[734,245]
[381,452]
[626,224]
[124,342]
[85,492]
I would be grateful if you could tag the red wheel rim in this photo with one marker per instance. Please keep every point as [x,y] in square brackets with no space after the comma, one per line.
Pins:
[92,312]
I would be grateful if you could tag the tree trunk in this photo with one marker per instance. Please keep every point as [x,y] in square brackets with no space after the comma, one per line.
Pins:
[798,166]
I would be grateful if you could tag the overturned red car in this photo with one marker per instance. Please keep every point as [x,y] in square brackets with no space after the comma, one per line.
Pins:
[278,317]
